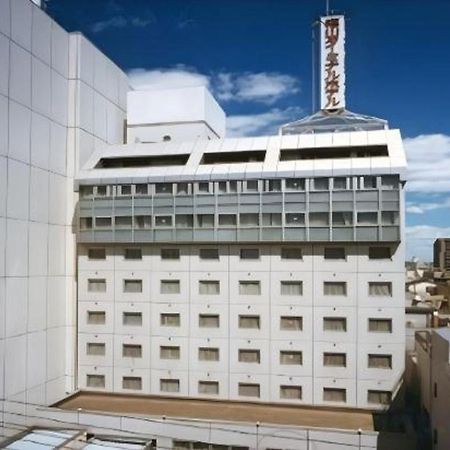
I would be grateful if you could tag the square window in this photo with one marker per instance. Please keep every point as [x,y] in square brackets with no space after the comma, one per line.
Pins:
[96,253]
[208,388]
[141,189]
[249,356]
[274,185]
[85,223]
[133,253]
[209,287]
[334,395]
[367,218]
[96,317]
[290,357]
[170,253]
[378,361]
[131,318]
[205,220]
[249,390]
[295,219]
[379,397]
[291,287]
[143,222]
[96,285]
[133,383]
[380,253]
[335,359]
[102,191]
[271,219]
[335,324]
[341,218]
[370,182]
[170,319]
[203,188]
[340,183]
[249,321]
[208,354]
[95,381]
[163,188]
[184,220]
[334,253]
[170,287]
[380,289]
[227,220]
[335,288]
[291,323]
[103,222]
[168,385]
[95,348]
[321,184]
[86,191]
[291,253]
[319,219]
[169,352]
[209,253]
[132,351]
[125,189]
[222,187]
[380,325]
[295,184]
[252,186]
[291,392]
[182,188]
[132,286]
[163,221]
[208,320]
[249,219]
[249,288]
[123,222]
[249,253]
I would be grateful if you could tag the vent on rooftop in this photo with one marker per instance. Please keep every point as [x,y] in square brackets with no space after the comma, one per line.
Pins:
[233,157]
[142,161]
[333,152]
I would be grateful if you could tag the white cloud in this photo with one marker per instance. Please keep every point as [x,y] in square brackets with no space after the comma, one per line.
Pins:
[422,208]
[262,87]
[179,76]
[260,124]
[121,22]
[420,238]
[428,163]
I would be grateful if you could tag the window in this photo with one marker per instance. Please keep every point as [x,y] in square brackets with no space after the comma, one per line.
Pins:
[389,218]
[134,383]
[274,185]
[249,220]
[252,186]
[170,253]
[370,182]
[123,222]
[205,220]
[320,184]
[335,359]
[249,390]
[209,287]
[234,186]
[334,288]
[379,397]
[294,219]
[319,219]
[102,191]
[208,354]
[132,286]
[249,288]
[96,285]
[96,317]
[208,387]
[86,223]
[249,356]
[184,220]
[291,323]
[334,324]
[163,221]
[271,219]
[182,188]
[249,253]
[141,189]
[380,289]
[167,385]
[208,321]
[380,253]
[340,183]
[291,253]
[95,348]
[209,253]
[96,253]
[163,188]
[340,218]
[380,325]
[203,188]
[227,220]
[334,395]
[295,184]
[380,361]
[169,352]
[291,392]
[125,189]
[389,181]
[133,253]
[289,357]
[246,321]
[170,287]
[132,319]
[334,253]
[132,351]
[367,218]
[142,222]
[86,191]
[291,287]
[222,187]
[95,381]
[103,222]
[170,319]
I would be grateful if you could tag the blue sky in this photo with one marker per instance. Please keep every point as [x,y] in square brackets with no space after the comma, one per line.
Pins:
[255,55]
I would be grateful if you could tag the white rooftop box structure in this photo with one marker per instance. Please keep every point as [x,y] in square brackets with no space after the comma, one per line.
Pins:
[180,114]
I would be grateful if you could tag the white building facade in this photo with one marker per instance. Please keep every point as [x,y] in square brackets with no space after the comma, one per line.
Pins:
[258,269]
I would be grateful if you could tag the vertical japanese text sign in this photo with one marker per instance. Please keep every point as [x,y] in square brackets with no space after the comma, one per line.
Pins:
[332,62]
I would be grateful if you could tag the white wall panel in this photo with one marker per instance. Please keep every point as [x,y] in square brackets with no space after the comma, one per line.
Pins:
[40,141]
[38,195]
[19,132]
[4,67]
[16,248]
[16,306]
[41,36]
[4,125]
[41,87]
[20,74]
